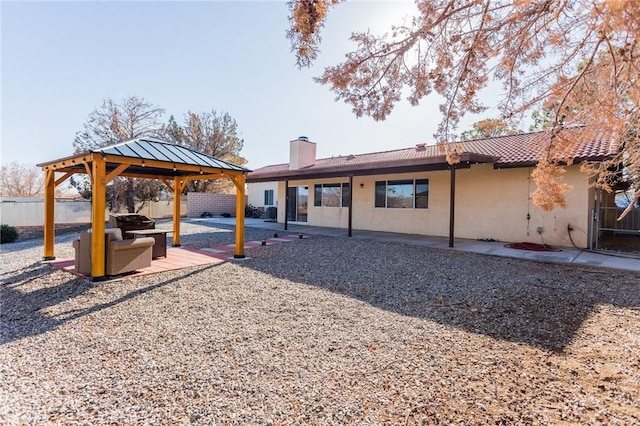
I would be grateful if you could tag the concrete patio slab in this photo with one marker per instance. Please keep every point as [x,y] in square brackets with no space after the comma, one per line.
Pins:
[568,255]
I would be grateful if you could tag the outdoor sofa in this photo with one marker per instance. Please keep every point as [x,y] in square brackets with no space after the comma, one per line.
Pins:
[121,256]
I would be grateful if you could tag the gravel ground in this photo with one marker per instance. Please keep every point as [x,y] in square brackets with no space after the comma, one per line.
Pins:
[319,331]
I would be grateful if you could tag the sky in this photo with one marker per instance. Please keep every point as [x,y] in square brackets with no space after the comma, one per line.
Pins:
[60,60]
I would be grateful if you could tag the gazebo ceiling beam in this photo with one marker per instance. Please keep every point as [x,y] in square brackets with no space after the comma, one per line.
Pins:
[164,165]
[115,173]
[73,164]
[63,178]
[123,170]
[166,183]
[128,174]
[209,176]
[88,170]
[233,179]
[62,165]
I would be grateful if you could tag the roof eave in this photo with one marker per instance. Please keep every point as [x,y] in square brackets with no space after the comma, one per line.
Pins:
[403,166]
[67,158]
[531,163]
[76,160]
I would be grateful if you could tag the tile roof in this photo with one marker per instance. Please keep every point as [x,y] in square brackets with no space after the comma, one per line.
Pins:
[522,150]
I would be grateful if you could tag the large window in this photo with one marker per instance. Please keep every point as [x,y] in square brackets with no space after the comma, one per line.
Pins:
[331,195]
[402,194]
[268,197]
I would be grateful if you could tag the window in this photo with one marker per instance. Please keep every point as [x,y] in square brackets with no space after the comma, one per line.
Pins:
[317,195]
[399,194]
[331,195]
[268,197]
[346,193]
[381,194]
[422,193]
[402,194]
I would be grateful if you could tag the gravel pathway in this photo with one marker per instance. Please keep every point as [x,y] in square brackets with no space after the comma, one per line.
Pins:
[319,331]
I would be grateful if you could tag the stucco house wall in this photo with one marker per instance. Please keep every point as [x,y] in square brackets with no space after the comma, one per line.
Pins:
[493,188]
[255,193]
[495,203]
[489,203]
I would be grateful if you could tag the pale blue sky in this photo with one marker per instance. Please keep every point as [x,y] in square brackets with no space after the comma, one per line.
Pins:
[61,59]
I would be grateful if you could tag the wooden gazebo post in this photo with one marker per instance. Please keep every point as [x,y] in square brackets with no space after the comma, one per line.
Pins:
[49,206]
[50,184]
[98,207]
[239,182]
[177,192]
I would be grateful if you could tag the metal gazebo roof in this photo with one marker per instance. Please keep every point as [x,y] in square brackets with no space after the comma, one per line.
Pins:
[147,158]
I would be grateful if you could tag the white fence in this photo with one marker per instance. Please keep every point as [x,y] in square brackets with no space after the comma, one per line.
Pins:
[16,211]
[160,209]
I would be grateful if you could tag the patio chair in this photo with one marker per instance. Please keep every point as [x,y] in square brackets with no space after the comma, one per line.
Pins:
[121,256]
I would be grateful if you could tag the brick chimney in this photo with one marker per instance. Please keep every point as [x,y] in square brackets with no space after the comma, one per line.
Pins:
[302,153]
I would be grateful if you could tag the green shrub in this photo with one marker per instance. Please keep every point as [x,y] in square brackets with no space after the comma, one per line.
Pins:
[8,234]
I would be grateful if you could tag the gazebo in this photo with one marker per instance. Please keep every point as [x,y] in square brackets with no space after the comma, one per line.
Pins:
[146,158]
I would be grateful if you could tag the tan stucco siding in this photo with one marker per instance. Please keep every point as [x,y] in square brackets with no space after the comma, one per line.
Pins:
[496,203]
[431,221]
[489,204]
[255,195]
[334,217]
[282,197]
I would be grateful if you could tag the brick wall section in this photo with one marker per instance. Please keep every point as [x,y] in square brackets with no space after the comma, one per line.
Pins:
[200,202]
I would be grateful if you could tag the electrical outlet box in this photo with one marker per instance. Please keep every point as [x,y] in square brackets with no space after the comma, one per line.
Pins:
[539,229]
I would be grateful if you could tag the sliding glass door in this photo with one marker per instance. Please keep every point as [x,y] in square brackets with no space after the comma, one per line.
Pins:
[297,203]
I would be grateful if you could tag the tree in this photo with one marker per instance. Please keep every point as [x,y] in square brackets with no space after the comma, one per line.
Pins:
[488,128]
[541,120]
[19,180]
[213,133]
[453,48]
[609,106]
[112,123]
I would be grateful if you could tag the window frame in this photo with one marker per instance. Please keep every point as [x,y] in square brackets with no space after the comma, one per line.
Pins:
[269,195]
[418,200]
[319,194]
[417,196]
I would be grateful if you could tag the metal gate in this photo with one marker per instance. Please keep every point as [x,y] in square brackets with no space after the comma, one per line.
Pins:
[609,233]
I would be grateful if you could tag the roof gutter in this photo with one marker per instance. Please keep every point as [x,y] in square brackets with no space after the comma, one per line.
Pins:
[438,163]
